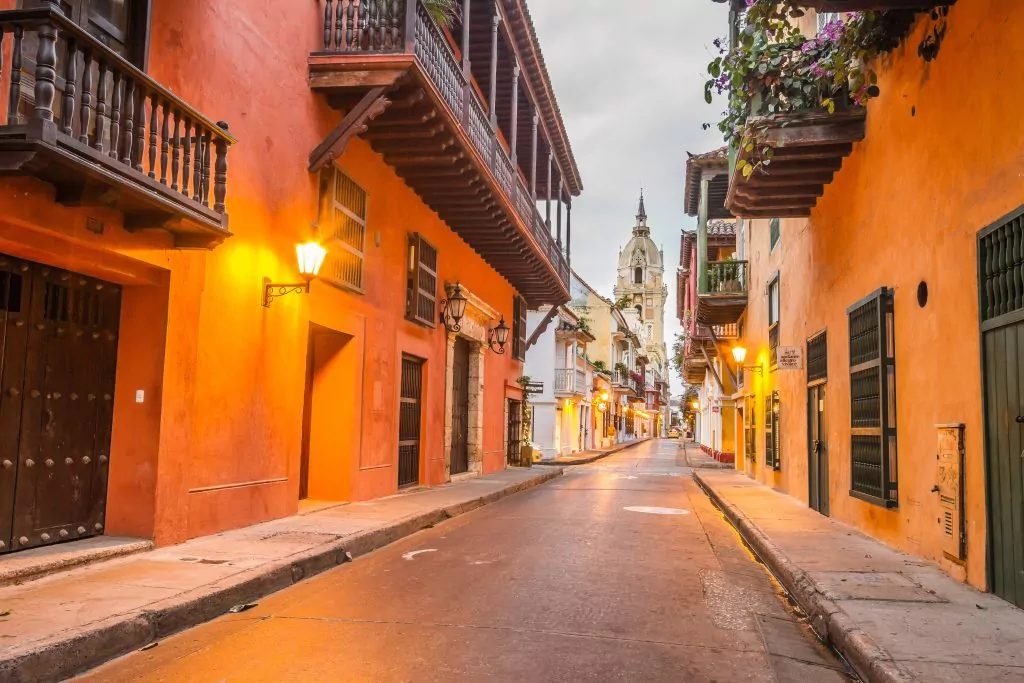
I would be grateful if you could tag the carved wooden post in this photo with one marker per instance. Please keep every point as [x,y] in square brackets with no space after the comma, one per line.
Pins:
[547,208]
[128,128]
[558,233]
[86,106]
[328,28]
[165,134]
[67,121]
[495,22]
[568,230]
[187,167]
[102,114]
[220,179]
[154,132]
[533,160]
[176,156]
[514,142]
[410,26]
[46,71]
[115,116]
[465,35]
[15,94]
[207,143]
[140,129]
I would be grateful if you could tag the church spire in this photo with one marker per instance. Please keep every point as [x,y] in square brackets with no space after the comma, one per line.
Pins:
[641,218]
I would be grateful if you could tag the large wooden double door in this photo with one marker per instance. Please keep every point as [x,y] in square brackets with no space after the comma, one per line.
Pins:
[58,354]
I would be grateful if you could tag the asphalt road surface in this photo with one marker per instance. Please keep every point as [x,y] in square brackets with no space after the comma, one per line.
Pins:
[619,571]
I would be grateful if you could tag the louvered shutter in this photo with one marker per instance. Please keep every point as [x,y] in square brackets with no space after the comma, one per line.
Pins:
[422,296]
[519,325]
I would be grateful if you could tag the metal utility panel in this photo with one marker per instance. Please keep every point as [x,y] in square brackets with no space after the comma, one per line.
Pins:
[949,488]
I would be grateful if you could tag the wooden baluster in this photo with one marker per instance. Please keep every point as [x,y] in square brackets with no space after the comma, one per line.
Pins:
[46,71]
[197,173]
[339,26]
[67,120]
[371,27]
[176,158]
[101,110]
[115,115]
[220,180]
[86,105]
[362,32]
[1018,264]
[140,129]
[205,193]
[350,26]
[383,23]
[128,125]
[396,20]
[165,134]
[328,28]
[186,170]
[15,93]
[154,134]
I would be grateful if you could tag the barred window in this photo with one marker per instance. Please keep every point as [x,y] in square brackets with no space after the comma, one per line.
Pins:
[873,400]
[817,358]
[421,289]
[343,221]
[772,432]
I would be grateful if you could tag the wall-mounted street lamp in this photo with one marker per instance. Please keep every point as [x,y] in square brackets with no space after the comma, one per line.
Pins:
[453,308]
[739,354]
[695,404]
[498,337]
[311,258]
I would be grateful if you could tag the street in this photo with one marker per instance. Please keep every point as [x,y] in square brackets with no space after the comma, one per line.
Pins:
[619,571]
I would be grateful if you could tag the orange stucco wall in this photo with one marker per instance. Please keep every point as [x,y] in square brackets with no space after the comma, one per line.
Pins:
[217,442]
[941,160]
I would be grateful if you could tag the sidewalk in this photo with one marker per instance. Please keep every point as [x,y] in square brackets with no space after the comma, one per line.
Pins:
[65,623]
[893,616]
[587,457]
[696,458]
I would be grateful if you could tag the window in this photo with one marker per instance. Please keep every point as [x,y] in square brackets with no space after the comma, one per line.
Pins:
[773,321]
[776,231]
[817,358]
[343,215]
[873,400]
[638,276]
[772,432]
[421,286]
[750,427]
[519,328]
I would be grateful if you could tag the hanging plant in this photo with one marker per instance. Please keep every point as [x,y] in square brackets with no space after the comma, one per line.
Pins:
[444,12]
[774,69]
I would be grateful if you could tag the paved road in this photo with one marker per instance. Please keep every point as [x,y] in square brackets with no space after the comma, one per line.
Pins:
[562,583]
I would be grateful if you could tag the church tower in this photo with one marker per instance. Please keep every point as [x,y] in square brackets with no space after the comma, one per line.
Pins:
[641,287]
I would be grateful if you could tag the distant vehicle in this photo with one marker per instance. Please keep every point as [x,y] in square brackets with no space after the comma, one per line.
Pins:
[673,433]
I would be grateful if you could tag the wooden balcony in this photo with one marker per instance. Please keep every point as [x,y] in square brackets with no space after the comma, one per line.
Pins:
[694,370]
[83,119]
[809,147]
[726,297]
[570,382]
[396,75]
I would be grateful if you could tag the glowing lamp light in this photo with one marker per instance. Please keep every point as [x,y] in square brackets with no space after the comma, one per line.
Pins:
[695,405]
[740,354]
[311,258]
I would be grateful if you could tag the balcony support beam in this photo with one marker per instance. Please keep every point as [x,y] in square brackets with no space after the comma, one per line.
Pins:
[558,238]
[495,23]
[355,122]
[465,35]
[547,209]
[533,157]
[568,230]
[702,237]
[514,142]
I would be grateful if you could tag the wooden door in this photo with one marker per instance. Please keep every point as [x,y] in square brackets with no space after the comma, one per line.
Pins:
[409,421]
[817,450]
[460,408]
[15,290]
[58,439]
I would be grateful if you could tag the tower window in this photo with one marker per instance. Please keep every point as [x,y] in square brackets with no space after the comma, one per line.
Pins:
[638,276]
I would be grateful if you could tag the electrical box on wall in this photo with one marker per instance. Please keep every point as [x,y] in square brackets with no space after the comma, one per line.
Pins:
[950,490]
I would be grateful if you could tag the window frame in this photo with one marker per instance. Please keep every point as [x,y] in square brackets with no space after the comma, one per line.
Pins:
[774,234]
[884,363]
[774,315]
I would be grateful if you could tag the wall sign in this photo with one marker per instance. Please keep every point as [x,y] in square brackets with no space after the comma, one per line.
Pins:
[791,357]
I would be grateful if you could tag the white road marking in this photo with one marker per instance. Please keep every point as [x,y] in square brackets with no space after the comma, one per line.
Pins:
[414,553]
[656,510]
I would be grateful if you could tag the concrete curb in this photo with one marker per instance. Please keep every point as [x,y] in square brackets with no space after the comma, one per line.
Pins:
[70,653]
[872,663]
[594,458]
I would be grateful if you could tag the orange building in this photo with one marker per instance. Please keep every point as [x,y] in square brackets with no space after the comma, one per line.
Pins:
[885,307]
[156,382]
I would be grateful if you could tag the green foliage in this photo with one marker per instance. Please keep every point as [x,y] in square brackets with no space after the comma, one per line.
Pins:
[444,12]
[622,303]
[599,365]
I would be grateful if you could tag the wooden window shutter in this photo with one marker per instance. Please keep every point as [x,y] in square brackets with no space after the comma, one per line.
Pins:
[873,452]
[343,221]
[519,325]
[422,287]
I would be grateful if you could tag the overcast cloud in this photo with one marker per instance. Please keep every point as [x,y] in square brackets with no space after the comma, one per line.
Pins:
[629,80]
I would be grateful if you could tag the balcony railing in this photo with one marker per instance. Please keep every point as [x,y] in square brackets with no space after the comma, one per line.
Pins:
[383,27]
[570,381]
[727,277]
[86,120]
[730,331]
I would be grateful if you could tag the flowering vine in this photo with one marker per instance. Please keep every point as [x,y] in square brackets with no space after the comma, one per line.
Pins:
[773,69]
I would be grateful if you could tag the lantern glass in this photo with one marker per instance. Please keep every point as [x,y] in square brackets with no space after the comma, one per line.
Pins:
[739,353]
[501,333]
[457,304]
[311,258]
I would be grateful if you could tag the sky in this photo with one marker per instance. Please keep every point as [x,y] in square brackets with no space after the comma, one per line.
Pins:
[629,79]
